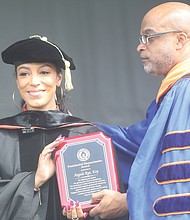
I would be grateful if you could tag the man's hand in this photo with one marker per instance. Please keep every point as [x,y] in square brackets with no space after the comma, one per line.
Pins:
[112,204]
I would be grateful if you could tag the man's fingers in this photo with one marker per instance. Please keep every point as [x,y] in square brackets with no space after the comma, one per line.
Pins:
[95,211]
[96,197]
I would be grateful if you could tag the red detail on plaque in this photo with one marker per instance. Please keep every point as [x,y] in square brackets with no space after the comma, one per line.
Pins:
[85,164]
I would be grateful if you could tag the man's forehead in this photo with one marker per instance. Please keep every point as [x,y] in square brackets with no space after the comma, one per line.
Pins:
[152,25]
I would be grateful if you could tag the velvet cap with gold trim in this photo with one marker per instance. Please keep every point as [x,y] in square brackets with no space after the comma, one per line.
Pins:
[39,49]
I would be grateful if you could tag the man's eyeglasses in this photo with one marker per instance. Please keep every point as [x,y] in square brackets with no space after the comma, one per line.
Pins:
[144,39]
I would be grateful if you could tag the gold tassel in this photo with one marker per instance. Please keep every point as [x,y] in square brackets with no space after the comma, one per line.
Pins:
[68,80]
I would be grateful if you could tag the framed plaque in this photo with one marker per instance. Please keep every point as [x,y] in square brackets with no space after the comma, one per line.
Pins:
[85,164]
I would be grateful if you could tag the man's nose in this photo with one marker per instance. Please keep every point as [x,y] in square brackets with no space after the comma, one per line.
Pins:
[141,47]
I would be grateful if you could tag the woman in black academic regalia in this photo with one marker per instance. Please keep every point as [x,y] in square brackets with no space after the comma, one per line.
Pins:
[28,185]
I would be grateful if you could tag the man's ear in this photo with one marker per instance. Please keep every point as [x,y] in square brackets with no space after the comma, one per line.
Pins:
[181,40]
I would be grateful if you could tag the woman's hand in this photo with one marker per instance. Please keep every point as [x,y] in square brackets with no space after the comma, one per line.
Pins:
[74,211]
[46,164]
[112,204]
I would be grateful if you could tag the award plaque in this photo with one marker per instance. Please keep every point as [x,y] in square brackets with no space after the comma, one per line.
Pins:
[85,165]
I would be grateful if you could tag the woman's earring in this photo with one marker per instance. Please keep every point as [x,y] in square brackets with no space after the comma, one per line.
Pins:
[13,98]
[59,95]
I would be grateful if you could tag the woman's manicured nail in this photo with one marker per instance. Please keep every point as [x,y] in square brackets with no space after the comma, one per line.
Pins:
[59,137]
[52,149]
[85,214]
[77,204]
[68,208]
[71,203]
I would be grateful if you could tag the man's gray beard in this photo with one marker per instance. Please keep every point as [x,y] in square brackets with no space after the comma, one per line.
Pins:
[149,72]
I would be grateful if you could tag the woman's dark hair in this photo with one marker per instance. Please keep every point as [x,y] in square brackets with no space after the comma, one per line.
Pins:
[63,99]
